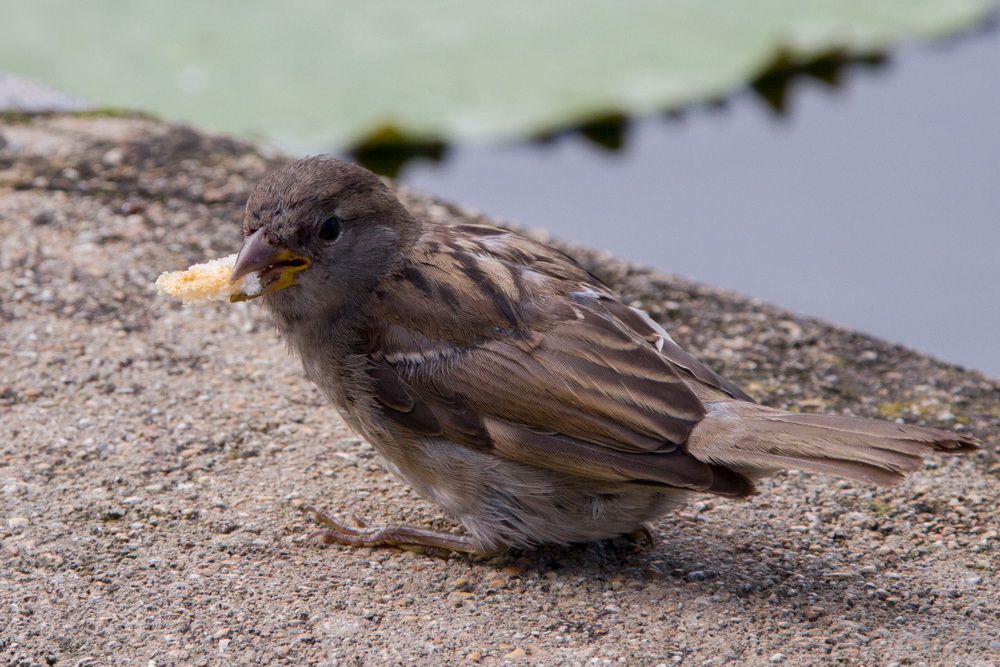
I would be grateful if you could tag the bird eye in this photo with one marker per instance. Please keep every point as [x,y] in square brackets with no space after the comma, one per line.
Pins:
[330,229]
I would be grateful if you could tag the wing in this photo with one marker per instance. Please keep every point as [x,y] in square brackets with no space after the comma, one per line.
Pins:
[505,345]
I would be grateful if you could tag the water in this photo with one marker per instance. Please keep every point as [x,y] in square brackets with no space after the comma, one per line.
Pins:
[875,205]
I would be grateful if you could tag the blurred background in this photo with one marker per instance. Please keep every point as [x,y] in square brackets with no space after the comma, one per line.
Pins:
[840,158]
[875,205]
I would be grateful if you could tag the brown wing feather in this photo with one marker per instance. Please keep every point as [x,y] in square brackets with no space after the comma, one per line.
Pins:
[401,403]
[528,363]
[641,323]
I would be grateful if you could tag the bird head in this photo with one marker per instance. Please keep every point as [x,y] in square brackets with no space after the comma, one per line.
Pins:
[320,231]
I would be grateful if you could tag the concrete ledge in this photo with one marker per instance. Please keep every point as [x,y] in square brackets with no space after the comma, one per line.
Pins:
[155,458]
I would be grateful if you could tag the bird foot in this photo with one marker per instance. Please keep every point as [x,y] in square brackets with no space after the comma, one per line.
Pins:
[642,534]
[360,534]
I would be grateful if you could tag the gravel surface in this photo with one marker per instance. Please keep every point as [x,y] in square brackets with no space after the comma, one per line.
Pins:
[155,459]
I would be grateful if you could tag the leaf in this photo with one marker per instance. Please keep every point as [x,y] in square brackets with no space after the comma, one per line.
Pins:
[309,74]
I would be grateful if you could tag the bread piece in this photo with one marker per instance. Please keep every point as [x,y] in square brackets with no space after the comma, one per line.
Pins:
[207,282]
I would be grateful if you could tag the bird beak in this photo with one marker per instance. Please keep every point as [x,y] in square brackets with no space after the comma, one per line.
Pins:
[276,266]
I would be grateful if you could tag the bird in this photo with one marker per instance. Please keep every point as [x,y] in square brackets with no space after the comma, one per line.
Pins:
[509,386]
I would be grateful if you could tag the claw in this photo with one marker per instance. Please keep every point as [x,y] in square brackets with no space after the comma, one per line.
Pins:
[643,534]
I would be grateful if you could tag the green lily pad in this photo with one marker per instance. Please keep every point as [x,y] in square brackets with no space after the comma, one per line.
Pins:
[311,75]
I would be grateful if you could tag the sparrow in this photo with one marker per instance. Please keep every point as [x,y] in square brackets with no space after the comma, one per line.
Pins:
[508,385]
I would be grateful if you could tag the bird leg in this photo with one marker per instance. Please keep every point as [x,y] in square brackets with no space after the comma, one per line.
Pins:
[403,537]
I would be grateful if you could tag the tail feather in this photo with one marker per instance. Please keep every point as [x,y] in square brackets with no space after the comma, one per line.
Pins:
[756,441]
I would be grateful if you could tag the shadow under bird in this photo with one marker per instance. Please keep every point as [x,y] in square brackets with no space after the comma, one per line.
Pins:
[508,385]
